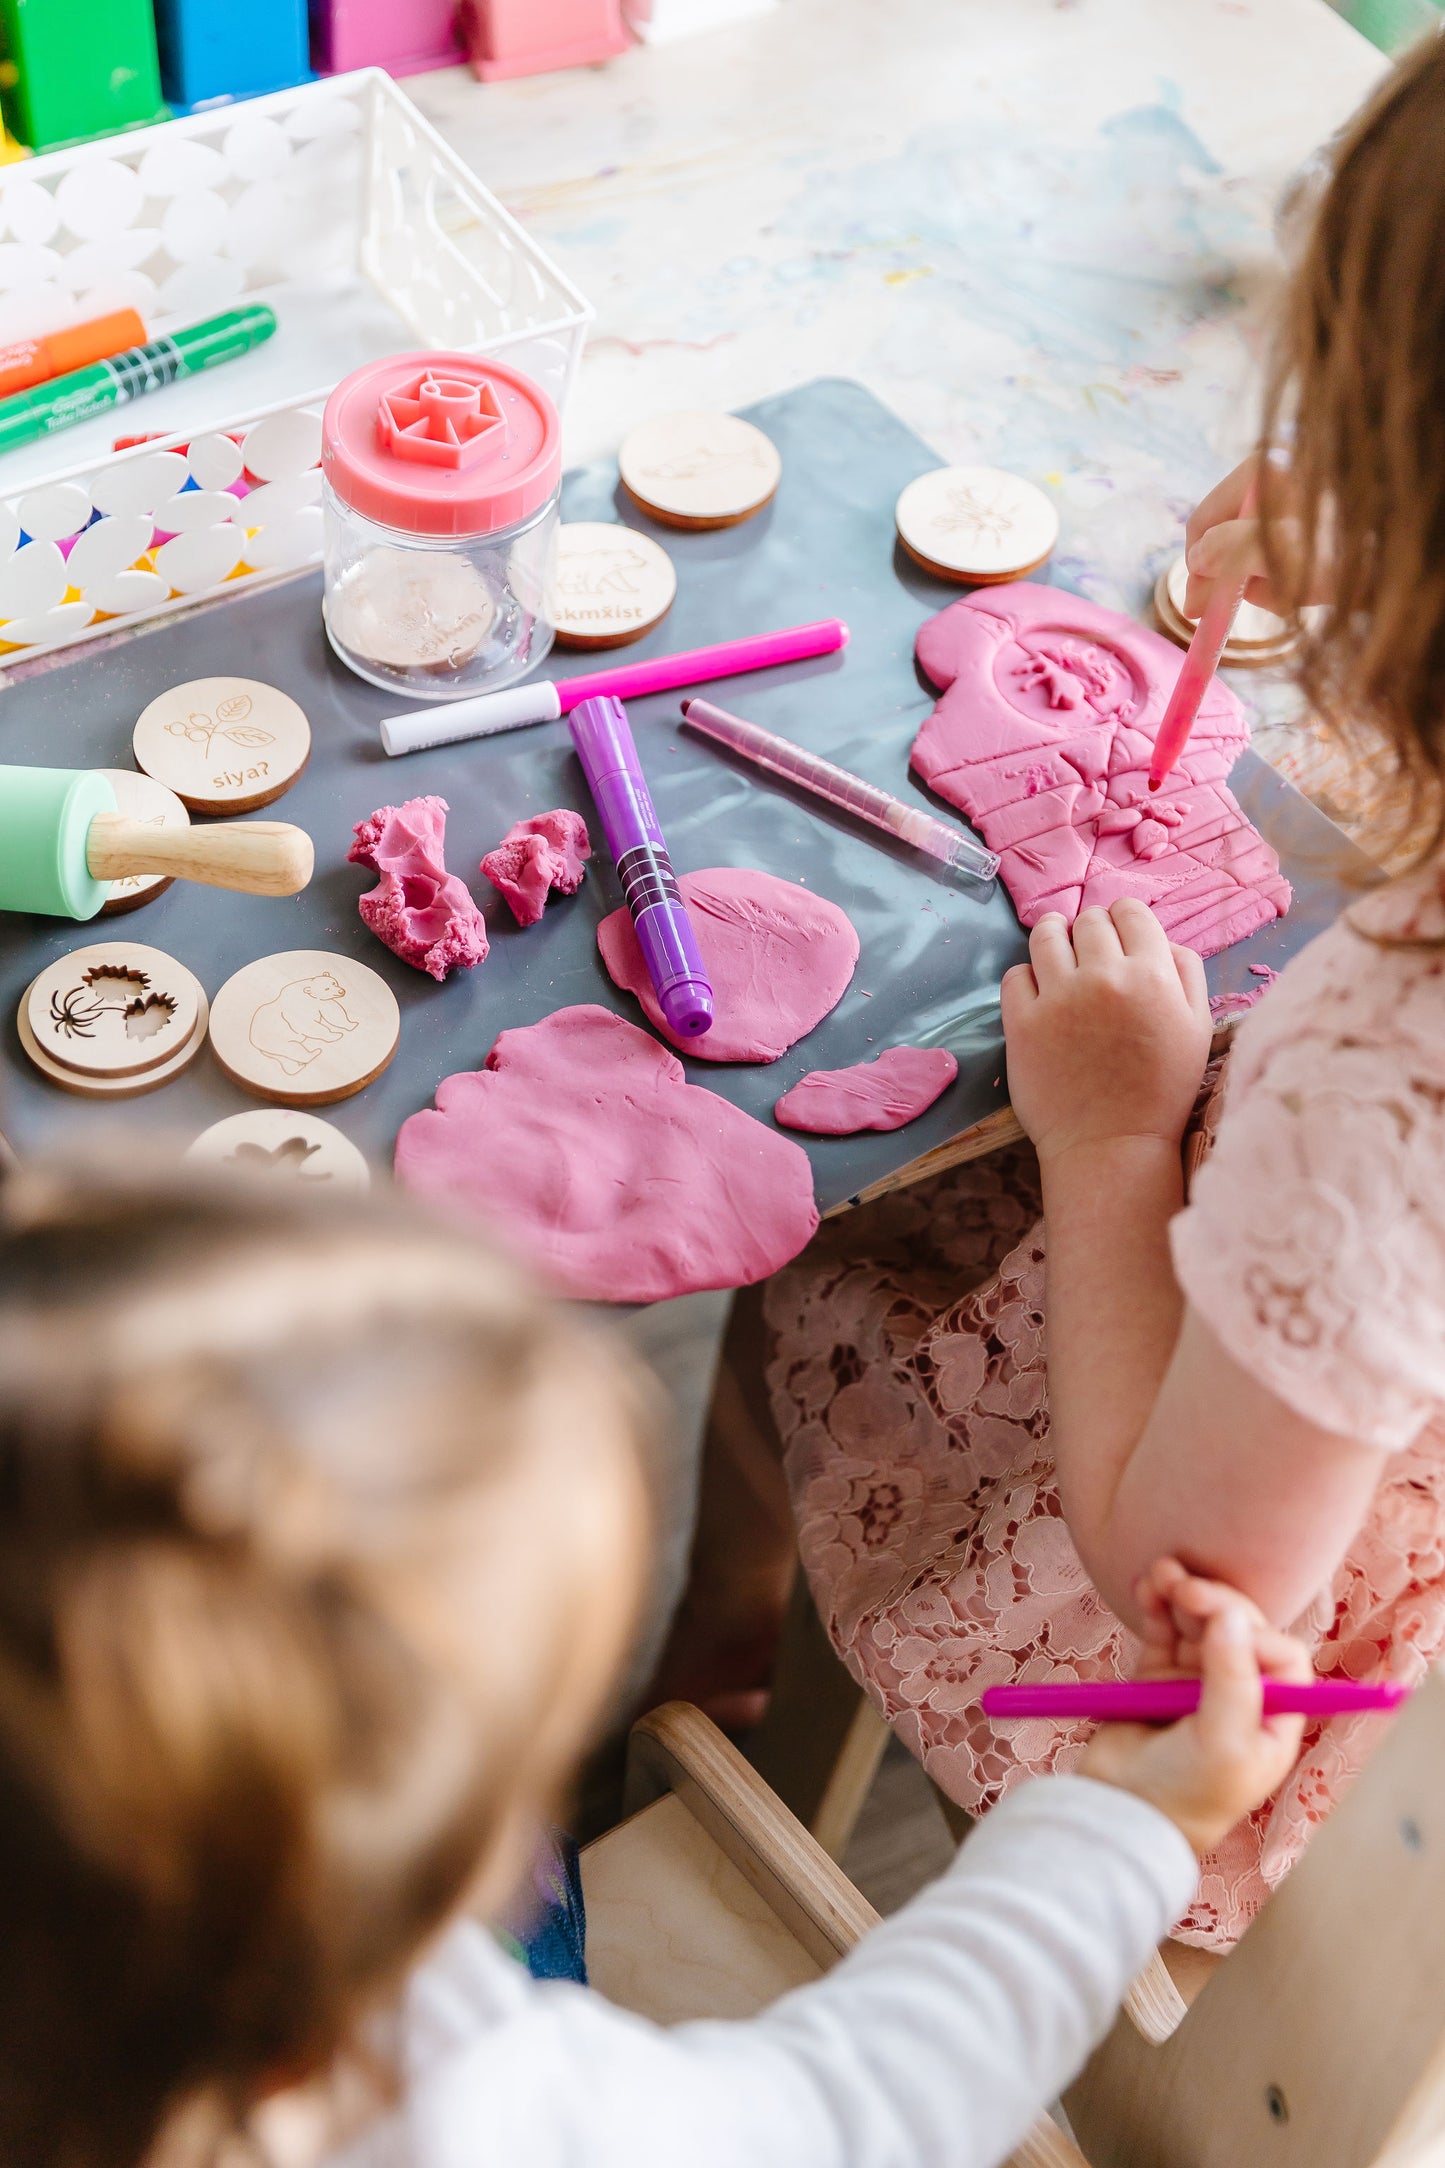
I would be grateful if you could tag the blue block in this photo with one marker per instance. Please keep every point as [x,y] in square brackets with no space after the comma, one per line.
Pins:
[213,50]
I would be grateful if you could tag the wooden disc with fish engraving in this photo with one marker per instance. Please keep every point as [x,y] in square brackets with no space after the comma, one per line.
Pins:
[695,469]
[607,585]
[304,1028]
[223,745]
[977,525]
[113,1020]
[282,1144]
[141,798]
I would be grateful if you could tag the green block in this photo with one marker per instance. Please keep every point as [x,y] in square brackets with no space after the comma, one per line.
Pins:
[73,69]
[1392,24]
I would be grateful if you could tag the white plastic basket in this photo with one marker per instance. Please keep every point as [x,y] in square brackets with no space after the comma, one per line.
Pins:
[339,206]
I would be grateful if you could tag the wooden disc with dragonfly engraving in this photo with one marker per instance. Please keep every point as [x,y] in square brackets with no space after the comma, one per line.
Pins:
[223,745]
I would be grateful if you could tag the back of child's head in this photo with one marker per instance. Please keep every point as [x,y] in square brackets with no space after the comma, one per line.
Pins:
[1358,398]
[319,1539]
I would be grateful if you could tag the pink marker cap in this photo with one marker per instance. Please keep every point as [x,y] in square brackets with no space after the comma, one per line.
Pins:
[441,444]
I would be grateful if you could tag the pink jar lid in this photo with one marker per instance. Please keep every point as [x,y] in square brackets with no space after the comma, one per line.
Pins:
[441,444]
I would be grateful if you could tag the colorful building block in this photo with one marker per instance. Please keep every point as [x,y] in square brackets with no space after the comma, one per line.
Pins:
[531,37]
[212,50]
[403,36]
[78,68]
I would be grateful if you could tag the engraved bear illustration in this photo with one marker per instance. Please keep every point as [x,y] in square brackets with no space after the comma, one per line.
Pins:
[300,1022]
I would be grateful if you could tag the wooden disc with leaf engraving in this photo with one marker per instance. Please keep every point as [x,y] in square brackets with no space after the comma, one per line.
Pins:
[282,1144]
[223,745]
[304,1027]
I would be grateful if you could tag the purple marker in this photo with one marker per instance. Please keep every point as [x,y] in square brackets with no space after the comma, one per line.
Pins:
[605,747]
[1161,1701]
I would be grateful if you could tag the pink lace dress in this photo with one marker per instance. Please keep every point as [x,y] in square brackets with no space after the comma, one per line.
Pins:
[909,1383]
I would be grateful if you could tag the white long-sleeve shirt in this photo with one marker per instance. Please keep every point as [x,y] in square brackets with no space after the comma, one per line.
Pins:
[934,2044]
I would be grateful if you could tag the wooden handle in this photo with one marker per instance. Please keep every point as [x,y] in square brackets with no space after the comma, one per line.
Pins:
[265,858]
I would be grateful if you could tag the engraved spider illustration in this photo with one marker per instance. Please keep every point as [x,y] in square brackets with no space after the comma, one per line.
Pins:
[111,990]
[229,722]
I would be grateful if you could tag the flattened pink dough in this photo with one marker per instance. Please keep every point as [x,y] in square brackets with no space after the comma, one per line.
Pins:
[535,856]
[585,1145]
[896,1088]
[1043,737]
[779,959]
[424,914]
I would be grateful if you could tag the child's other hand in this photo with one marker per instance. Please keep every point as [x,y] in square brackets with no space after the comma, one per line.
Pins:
[1211,1769]
[1108,1030]
[1218,542]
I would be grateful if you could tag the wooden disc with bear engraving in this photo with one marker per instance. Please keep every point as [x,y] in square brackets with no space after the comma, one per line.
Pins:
[304,1028]
[223,745]
[607,585]
[283,1144]
[113,1020]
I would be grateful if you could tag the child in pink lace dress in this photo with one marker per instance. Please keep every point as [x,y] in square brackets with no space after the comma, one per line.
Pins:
[1254,1377]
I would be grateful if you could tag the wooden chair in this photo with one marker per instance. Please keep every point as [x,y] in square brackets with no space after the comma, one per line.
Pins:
[712,1900]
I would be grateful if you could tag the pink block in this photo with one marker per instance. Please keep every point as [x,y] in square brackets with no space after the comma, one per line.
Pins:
[531,37]
[403,36]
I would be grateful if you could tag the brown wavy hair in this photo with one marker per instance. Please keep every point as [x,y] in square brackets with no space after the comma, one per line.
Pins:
[1357,395]
[283,1486]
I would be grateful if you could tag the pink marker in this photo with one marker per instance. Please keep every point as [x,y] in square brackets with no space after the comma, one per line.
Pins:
[1200,664]
[542,701]
[1163,1701]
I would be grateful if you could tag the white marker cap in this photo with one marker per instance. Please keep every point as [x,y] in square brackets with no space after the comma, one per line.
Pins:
[478,717]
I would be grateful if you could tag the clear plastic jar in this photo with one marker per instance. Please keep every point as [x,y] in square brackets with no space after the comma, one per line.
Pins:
[442,477]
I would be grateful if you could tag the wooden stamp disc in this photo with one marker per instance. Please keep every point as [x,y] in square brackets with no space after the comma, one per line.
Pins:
[978,525]
[285,1145]
[1250,653]
[141,798]
[607,585]
[305,1027]
[110,1087]
[695,469]
[113,1010]
[223,745]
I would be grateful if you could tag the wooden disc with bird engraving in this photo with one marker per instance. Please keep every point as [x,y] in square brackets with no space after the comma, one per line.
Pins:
[113,1020]
[304,1028]
[283,1144]
[696,469]
[977,525]
[223,745]
[141,798]
[607,585]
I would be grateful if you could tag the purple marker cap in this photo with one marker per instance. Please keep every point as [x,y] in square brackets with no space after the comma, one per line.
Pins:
[605,747]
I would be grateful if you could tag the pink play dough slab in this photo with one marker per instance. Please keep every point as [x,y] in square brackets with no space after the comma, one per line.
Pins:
[1043,736]
[900,1085]
[585,1145]
[535,856]
[779,959]
[426,915]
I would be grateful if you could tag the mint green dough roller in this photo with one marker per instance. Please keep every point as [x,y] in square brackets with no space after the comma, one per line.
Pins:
[62,842]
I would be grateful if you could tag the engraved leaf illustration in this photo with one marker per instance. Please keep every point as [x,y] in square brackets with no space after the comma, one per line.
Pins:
[234,710]
[248,734]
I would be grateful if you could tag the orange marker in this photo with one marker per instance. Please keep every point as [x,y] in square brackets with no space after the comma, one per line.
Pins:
[35,361]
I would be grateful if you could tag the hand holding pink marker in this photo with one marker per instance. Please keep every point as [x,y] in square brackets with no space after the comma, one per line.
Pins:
[1201,661]
[1164,1701]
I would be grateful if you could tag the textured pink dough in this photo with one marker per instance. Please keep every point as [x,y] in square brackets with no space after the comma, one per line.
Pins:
[778,957]
[900,1085]
[426,915]
[585,1145]
[535,856]
[1043,736]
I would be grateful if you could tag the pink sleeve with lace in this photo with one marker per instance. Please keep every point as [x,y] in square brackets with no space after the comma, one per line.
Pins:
[1313,1243]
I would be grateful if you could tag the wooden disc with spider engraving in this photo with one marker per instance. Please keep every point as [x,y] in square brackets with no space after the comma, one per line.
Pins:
[607,585]
[305,1027]
[141,798]
[282,1144]
[977,525]
[223,745]
[696,469]
[112,1011]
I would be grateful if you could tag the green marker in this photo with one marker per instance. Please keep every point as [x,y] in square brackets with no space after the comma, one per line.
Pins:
[84,393]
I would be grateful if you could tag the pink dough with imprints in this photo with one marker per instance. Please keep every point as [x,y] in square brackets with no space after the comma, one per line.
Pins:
[1043,737]
[778,959]
[424,914]
[895,1089]
[550,850]
[584,1145]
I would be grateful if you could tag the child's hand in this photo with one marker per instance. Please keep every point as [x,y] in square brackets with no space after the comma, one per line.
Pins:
[1218,543]
[1108,1030]
[1211,1769]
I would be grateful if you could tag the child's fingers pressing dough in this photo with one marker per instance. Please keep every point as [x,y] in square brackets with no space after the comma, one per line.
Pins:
[1108,1030]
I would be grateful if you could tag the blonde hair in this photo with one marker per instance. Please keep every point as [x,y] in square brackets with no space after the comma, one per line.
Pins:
[283,1487]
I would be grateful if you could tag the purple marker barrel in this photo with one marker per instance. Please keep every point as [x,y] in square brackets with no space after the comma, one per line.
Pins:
[605,747]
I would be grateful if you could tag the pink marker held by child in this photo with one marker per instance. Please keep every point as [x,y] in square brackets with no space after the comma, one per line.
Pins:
[1200,663]
[1164,1701]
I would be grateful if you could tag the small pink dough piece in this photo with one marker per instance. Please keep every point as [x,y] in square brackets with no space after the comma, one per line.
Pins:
[1042,737]
[779,959]
[586,1147]
[535,856]
[896,1088]
[426,915]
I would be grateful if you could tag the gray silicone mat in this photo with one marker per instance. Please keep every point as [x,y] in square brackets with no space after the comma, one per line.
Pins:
[933,949]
